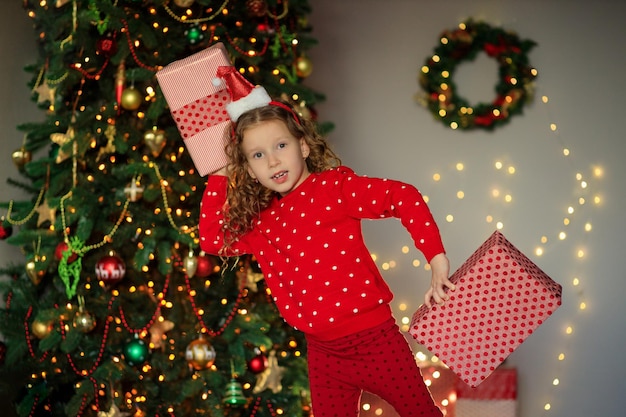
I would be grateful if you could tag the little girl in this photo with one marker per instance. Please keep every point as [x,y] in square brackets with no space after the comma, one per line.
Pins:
[286,199]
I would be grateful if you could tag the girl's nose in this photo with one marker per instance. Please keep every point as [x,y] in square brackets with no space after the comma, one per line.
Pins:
[273,160]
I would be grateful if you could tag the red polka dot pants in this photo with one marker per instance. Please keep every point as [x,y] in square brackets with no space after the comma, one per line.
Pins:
[378,361]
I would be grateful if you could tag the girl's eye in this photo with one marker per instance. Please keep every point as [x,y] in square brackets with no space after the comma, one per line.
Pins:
[257,155]
[282,145]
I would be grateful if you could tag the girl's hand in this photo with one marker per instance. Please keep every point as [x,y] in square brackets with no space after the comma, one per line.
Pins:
[222,171]
[440,267]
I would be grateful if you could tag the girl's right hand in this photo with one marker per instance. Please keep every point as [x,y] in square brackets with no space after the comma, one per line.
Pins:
[222,171]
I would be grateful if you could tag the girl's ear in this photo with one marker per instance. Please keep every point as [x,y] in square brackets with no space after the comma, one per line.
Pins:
[304,148]
[251,173]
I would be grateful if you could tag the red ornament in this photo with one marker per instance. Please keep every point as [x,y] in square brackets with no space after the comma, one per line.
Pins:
[5,231]
[62,248]
[110,269]
[205,266]
[258,364]
[106,46]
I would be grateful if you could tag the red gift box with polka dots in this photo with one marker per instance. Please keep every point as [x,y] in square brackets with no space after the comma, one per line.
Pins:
[501,297]
[199,107]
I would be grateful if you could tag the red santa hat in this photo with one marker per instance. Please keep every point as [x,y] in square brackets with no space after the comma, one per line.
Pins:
[244,96]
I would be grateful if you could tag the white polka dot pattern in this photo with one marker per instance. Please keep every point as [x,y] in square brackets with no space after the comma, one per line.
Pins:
[310,247]
[501,297]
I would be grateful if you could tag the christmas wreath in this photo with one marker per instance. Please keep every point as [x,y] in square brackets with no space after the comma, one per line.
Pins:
[513,89]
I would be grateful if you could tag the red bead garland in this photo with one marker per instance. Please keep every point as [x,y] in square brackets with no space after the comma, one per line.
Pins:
[257,404]
[131,47]
[88,74]
[230,317]
[154,317]
[28,342]
[96,363]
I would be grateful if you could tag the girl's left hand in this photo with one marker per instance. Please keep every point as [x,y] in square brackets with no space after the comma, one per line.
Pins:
[440,267]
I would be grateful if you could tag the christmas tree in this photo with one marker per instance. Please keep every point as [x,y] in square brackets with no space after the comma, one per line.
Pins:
[114,311]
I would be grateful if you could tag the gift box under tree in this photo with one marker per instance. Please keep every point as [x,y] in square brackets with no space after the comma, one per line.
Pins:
[198,106]
[501,297]
[495,397]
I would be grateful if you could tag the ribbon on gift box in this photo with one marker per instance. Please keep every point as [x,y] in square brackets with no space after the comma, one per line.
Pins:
[198,106]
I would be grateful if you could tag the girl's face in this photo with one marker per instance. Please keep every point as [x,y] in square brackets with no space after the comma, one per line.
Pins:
[275,157]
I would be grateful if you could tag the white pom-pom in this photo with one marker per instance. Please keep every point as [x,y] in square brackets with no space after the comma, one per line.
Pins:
[217,82]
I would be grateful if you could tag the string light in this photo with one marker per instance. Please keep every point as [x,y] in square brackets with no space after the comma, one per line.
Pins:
[572,215]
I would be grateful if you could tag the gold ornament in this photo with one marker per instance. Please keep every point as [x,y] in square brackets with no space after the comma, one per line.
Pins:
[21,157]
[271,377]
[34,270]
[183,3]
[45,213]
[110,146]
[200,354]
[158,330]
[84,321]
[304,67]
[114,411]
[62,139]
[131,99]
[155,140]
[45,93]
[41,329]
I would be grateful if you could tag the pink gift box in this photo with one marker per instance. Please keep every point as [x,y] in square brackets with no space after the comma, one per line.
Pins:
[495,397]
[501,297]
[199,107]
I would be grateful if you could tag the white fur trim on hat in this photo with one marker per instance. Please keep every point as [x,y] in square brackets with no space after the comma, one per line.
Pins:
[257,97]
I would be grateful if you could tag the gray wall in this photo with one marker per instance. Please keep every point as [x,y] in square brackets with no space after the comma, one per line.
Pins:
[367,63]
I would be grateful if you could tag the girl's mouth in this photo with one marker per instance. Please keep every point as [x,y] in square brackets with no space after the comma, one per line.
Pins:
[280,175]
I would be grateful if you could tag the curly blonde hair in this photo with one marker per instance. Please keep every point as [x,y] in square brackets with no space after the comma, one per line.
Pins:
[246,197]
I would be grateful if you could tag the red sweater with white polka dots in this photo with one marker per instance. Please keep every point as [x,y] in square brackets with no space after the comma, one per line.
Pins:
[310,247]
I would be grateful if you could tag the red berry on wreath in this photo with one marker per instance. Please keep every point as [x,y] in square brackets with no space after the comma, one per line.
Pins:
[110,269]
